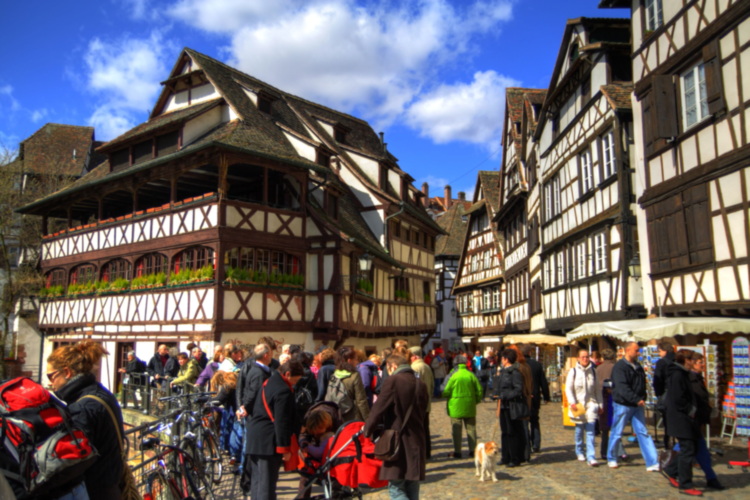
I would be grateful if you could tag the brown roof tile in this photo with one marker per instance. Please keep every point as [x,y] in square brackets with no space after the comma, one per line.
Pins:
[59,149]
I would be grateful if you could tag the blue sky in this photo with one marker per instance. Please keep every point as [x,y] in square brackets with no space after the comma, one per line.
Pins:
[431,74]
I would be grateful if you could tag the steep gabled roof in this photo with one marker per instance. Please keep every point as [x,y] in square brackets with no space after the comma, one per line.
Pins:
[454,222]
[56,149]
[618,95]
[490,184]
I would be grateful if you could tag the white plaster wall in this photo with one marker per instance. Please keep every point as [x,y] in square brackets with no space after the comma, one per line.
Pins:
[201,124]
[303,148]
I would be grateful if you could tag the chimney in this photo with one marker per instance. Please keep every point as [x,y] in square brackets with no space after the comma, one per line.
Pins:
[462,196]
[447,199]
[426,192]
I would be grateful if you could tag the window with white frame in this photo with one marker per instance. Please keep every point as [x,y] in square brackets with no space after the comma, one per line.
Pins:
[486,299]
[608,153]
[587,171]
[581,256]
[560,262]
[694,95]
[600,253]
[496,297]
[552,197]
[474,263]
[487,259]
[654,15]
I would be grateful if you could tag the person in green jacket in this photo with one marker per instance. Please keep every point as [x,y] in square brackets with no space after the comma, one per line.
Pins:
[188,374]
[463,392]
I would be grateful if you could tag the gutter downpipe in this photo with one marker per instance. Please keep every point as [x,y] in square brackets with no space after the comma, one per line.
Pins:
[385,224]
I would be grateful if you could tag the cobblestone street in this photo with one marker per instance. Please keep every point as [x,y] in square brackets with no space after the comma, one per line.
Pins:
[552,473]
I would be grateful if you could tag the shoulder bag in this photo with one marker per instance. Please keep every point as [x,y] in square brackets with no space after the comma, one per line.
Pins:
[388,446]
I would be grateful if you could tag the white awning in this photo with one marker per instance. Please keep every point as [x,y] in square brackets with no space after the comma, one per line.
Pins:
[643,330]
[535,338]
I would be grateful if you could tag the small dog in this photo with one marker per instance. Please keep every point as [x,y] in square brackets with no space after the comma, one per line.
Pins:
[485,458]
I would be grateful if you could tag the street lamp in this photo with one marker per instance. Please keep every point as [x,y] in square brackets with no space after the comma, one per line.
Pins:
[365,262]
[635,267]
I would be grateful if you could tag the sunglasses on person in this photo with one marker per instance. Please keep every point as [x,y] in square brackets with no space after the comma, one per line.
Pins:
[51,376]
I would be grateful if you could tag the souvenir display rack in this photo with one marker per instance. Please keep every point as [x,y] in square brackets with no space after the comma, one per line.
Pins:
[741,383]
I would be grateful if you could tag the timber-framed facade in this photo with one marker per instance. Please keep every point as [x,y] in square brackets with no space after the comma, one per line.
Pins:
[479,284]
[237,211]
[691,97]
[588,225]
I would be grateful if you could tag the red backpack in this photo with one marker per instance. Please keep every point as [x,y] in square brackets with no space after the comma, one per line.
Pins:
[41,450]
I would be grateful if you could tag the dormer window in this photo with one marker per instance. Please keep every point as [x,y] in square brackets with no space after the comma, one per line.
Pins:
[264,104]
[332,206]
[323,158]
[339,134]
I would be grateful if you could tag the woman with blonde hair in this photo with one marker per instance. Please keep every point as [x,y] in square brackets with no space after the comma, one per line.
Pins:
[232,429]
[93,409]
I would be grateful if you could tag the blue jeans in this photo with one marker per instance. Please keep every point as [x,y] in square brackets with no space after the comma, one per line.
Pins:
[587,429]
[637,417]
[403,489]
[703,457]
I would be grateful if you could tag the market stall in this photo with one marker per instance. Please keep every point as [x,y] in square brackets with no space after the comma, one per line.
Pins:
[716,335]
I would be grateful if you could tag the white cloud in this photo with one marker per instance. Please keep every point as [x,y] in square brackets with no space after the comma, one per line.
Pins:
[7,91]
[125,74]
[141,9]
[471,112]
[369,57]
[39,114]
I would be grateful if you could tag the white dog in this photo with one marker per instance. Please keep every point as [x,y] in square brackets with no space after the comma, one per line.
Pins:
[485,458]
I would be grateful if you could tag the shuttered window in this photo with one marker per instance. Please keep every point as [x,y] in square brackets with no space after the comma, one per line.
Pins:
[679,231]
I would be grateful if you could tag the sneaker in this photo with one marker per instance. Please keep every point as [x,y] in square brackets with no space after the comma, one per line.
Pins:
[653,468]
[613,465]
[692,492]
[593,463]
[581,457]
[672,481]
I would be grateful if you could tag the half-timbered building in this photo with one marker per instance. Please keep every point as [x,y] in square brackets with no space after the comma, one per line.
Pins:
[236,211]
[448,246]
[693,152]
[520,232]
[588,226]
[479,283]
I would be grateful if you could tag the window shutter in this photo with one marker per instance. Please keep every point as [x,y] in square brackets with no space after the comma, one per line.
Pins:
[714,87]
[664,108]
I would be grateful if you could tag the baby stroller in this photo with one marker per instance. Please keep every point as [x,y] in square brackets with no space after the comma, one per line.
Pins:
[347,463]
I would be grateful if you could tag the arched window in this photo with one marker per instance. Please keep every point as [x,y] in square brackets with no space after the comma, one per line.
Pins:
[55,277]
[85,273]
[116,269]
[152,263]
[193,258]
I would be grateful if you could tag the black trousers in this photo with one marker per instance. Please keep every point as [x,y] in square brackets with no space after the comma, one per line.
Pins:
[265,475]
[428,441]
[682,466]
[512,438]
[535,433]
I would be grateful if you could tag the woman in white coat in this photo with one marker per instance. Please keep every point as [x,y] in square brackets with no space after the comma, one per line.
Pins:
[584,405]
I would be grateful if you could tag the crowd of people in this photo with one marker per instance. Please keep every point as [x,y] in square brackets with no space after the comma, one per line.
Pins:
[271,397]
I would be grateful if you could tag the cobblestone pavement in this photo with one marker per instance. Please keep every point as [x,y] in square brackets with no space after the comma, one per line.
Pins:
[553,473]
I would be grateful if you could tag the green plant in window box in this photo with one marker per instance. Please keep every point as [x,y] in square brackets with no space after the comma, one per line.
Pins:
[364,286]
[427,298]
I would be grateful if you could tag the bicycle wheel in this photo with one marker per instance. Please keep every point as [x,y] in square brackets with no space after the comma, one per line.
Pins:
[199,484]
[211,457]
[158,488]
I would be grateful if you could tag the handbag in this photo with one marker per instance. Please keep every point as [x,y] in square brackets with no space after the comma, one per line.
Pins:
[388,446]
[519,410]
[128,487]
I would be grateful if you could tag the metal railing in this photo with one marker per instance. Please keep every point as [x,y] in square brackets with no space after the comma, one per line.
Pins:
[141,393]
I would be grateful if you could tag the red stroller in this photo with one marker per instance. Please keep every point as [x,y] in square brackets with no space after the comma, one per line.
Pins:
[348,462]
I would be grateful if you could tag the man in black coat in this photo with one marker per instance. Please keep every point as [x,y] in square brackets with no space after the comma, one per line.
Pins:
[253,373]
[539,390]
[401,390]
[135,369]
[162,366]
[271,426]
[666,352]
[681,409]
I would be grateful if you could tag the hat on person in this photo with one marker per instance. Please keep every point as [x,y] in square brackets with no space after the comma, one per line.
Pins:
[416,350]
